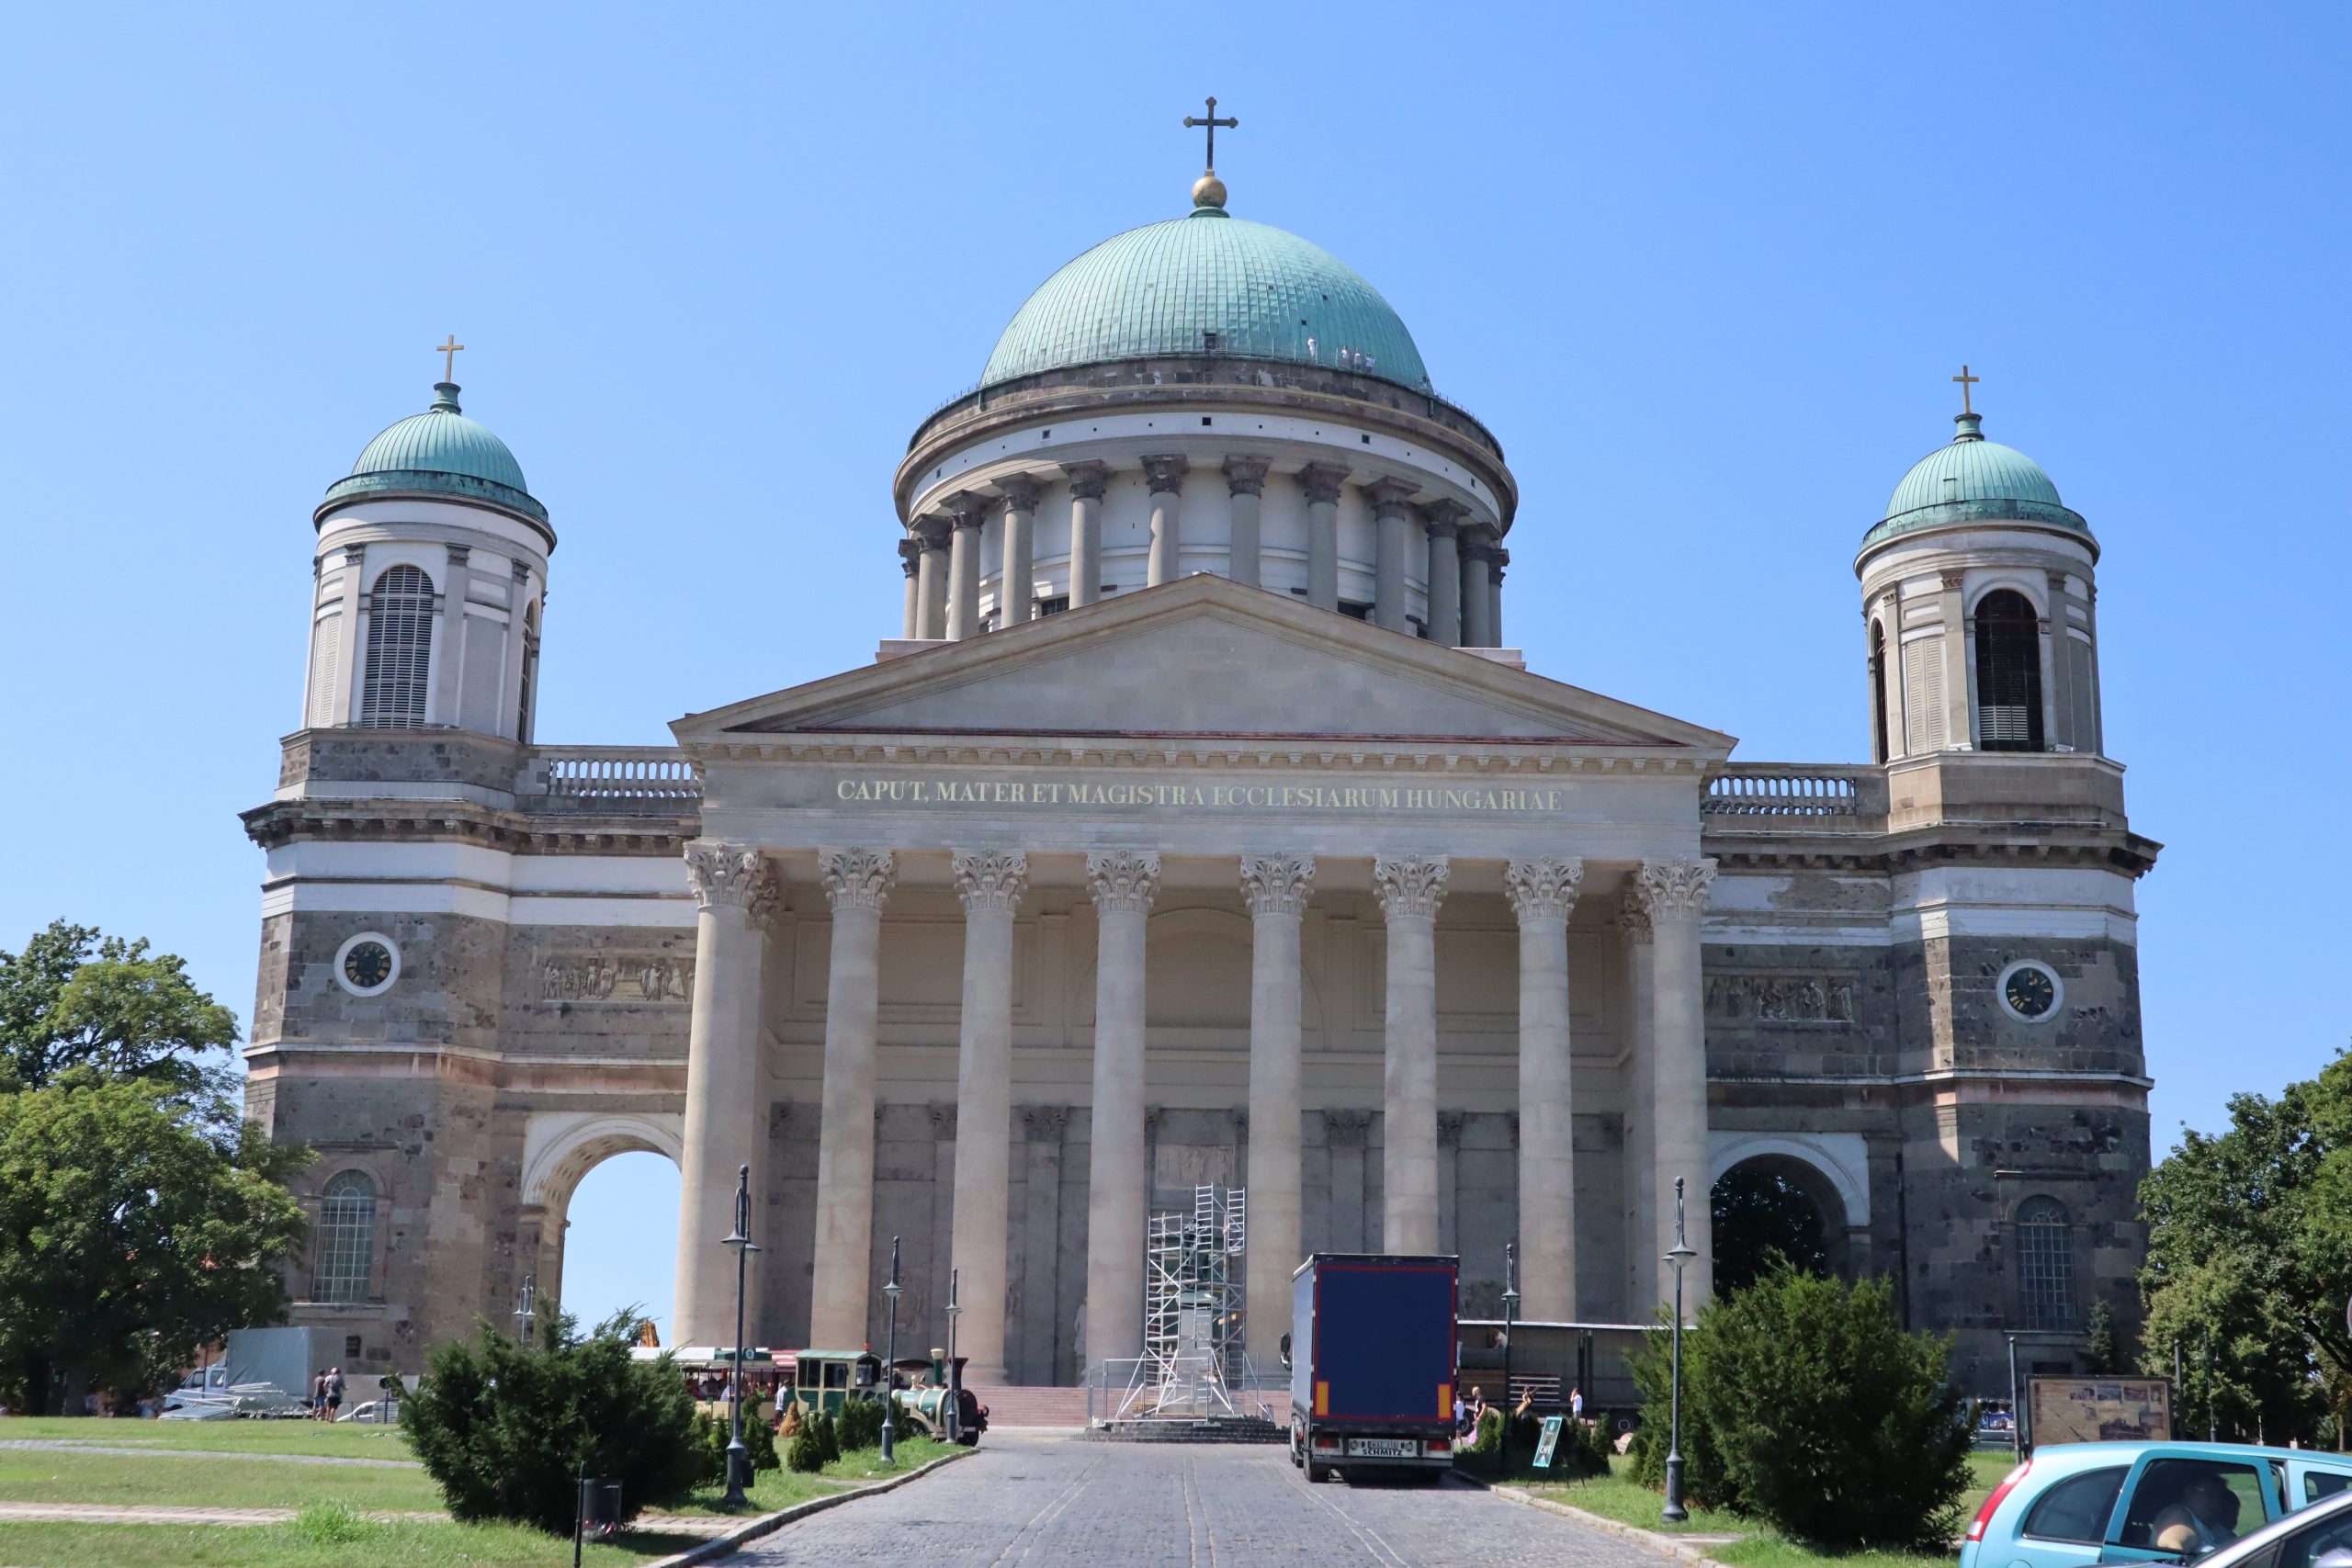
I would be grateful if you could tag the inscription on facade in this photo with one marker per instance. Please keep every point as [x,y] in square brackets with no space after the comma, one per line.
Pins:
[617,978]
[1781,998]
[1138,797]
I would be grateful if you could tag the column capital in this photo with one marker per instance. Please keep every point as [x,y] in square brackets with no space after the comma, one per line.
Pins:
[460,554]
[910,554]
[1392,497]
[1479,540]
[1633,915]
[965,510]
[1123,879]
[1086,480]
[1247,476]
[1165,472]
[857,879]
[1443,518]
[1322,480]
[991,879]
[1543,887]
[1020,492]
[931,533]
[726,874]
[1277,884]
[1411,887]
[1677,889]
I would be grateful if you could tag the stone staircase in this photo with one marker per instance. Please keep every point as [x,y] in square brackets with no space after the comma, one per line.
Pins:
[1016,1406]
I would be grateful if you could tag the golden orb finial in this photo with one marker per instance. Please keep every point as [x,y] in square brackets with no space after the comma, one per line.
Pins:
[1208,191]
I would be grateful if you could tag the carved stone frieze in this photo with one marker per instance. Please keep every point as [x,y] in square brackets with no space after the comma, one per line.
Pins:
[1123,879]
[616,977]
[1677,889]
[1544,886]
[992,879]
[1781,998]
[857,879]
[1277,884]
[1411,887]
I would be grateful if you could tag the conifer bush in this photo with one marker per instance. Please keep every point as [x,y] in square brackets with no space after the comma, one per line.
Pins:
[1807,1404]
[712,1435]
[805,1452]
[859,1426]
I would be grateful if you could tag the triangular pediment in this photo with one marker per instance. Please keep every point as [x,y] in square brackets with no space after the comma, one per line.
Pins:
[1202,658]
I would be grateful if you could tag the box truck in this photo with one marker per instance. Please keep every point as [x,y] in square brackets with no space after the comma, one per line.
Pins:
[1370,1353]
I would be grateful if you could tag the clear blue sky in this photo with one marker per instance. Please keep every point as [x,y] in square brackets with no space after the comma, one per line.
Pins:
[1706,270]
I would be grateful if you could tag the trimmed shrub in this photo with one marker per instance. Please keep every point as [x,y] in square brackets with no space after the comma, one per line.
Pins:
[805,1453]
[506,1430]
[828,1439]
[1805,1404]
[859,1426]
[711,1437]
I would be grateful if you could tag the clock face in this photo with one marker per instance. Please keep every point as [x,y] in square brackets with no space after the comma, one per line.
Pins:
[2031,990]
[367,964]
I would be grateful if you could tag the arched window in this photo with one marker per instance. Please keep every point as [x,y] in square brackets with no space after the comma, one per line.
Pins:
[346,1253]
[1878,692]
[2045,1265]
[400,651]
[2009,673]
[530,673]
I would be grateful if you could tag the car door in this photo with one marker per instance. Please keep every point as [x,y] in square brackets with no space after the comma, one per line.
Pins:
[2158,1495]
[2066,1527]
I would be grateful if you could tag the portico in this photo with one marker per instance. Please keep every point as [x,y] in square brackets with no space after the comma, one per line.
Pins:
[1301,933]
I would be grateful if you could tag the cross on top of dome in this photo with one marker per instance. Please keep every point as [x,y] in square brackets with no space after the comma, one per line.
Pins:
[1208,191]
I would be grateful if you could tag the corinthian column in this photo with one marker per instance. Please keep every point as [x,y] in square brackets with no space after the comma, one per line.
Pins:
[992,885]
[1277,887]
[1165,478]
[1444,523]
[1392,510]
[1125,882]
[931,579]
[1676,892]
[736,893]
[963,567]
[1410,888]
[1245,481]
[1543,893]
[910,560]
[1641,1095]
[1478,587]
[1087,483]
[1322,482]
[857,882]
[1015,583]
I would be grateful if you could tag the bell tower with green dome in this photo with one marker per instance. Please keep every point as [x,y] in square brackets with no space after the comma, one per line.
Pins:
[1205,394]
[431,573]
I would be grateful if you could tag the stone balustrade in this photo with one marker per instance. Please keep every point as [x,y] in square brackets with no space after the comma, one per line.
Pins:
[1772,796]
[612,778]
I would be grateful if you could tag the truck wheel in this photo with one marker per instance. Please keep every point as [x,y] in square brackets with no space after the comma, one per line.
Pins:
[1316,1473]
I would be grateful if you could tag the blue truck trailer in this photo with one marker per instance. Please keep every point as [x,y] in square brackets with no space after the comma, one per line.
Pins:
[1370,1353]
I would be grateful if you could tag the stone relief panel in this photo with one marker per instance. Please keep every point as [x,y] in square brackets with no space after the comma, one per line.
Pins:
[617,978]
[1828,999]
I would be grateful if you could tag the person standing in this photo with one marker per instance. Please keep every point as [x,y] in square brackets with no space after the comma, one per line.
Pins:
[1576,1403]
[317,1394]
[334,1390]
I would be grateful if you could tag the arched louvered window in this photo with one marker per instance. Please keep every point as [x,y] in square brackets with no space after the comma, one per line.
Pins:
[400,651]
[1878,692]
[2045,1253]
[2009,673]
[528,700]
[346,1253]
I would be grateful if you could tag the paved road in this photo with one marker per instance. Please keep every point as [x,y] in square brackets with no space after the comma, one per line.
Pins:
[1034,1501]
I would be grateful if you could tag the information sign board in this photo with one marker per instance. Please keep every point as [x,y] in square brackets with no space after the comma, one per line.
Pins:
[2098,1410]
[1549,1440]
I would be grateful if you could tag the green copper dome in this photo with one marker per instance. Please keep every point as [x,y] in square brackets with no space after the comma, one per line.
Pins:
[1972,479]
[1208,284]
[440,450]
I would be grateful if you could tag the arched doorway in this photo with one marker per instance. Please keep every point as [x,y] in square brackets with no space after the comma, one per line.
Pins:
[1777,1205]
[602,1190]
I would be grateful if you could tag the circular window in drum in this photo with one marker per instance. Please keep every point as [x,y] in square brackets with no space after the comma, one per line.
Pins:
[368,965]
[2031,991]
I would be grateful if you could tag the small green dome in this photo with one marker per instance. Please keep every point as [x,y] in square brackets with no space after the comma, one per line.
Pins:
[1972,479]
[441,450]
[1162,290]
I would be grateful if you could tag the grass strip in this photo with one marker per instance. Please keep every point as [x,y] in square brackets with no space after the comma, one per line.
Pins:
[323,1536]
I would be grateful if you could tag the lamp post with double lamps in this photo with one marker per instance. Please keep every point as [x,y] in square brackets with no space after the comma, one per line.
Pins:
[1511,1317]
[955,1377]
[524,1307]
[739,1458]
[1681,1254]
[890,1364]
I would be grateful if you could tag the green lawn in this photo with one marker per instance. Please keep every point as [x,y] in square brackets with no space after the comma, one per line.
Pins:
[346,1440]
[322,1539]
[57,1475]
[774,1489]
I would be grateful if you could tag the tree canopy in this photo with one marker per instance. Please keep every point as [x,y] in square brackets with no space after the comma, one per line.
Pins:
[1762,1218]
[76,999]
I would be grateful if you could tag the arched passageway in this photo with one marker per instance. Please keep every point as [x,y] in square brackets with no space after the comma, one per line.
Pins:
[1777,1205]
[602,1191]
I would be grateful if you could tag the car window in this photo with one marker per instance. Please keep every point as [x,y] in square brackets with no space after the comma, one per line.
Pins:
[2326,1544]
[2318,1483]
[2077,1509]
[2202,1504]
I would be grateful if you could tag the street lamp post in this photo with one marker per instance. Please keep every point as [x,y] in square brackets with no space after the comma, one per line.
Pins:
[525,1305]
[891,1368]
[955,1377]
[739,1458]
[1681,1254]
[2017,1409]
[1511,1317]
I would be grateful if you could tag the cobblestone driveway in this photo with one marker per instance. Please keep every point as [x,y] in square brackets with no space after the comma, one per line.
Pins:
[1042,1502]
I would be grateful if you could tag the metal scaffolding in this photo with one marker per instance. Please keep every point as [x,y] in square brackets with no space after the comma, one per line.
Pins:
[1194,1310]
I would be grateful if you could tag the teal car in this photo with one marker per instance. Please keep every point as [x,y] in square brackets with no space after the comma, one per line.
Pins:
[2073,1505]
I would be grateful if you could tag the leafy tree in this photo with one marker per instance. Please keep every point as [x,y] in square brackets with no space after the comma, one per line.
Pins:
[1759,1216]
[2103,1342]
[506,1430]
[2250,1255]
[130,1235]
[1807,1405]
[75,998]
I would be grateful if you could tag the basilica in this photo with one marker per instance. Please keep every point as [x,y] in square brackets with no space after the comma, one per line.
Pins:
[1198,822]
